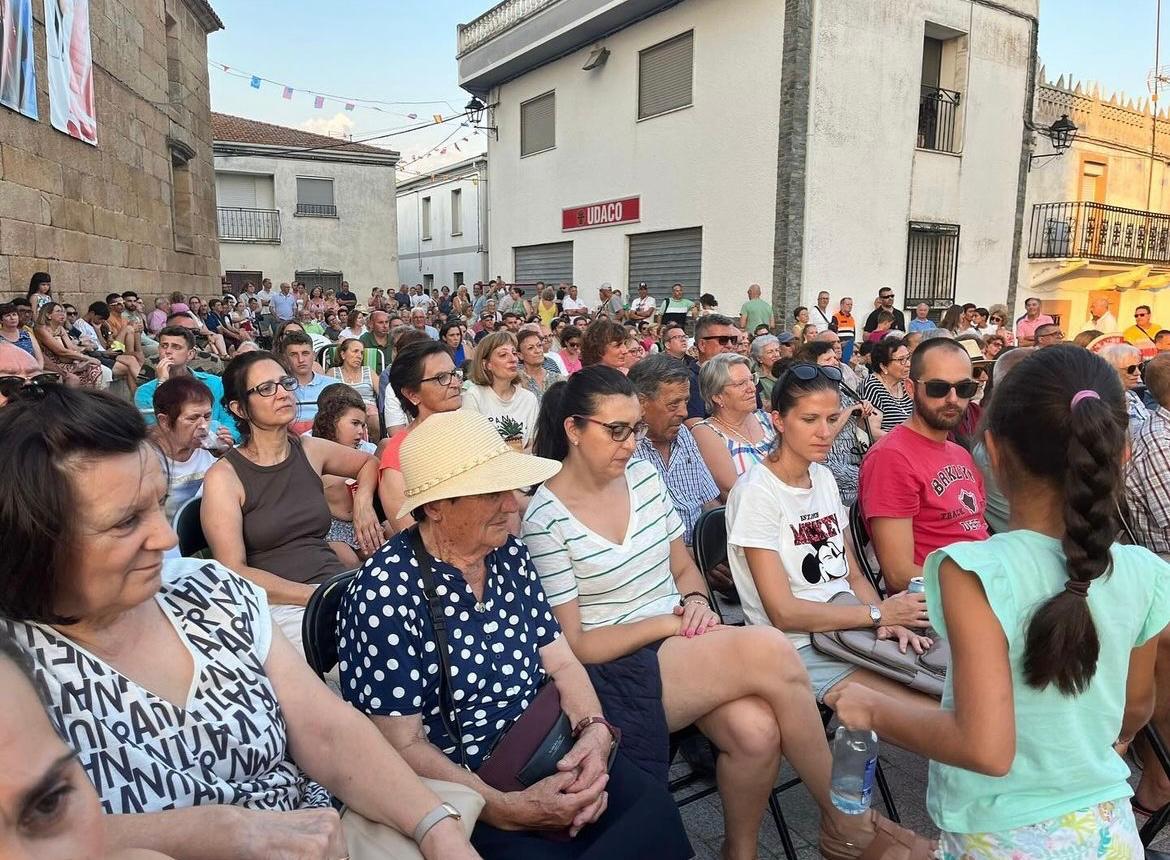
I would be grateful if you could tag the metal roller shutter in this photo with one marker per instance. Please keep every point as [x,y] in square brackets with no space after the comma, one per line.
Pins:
[665,76]
[236,190]
[664,259]
[552,263]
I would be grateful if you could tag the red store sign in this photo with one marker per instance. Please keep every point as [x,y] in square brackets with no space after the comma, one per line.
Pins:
[604,214]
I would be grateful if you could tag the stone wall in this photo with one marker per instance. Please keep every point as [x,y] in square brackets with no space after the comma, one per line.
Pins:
[99,219]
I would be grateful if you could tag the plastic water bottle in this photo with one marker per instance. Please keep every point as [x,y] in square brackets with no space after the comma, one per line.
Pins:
[854,763]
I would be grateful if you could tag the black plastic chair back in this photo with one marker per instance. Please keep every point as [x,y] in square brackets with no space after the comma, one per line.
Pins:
[861,542]
[189,528]
[319,626]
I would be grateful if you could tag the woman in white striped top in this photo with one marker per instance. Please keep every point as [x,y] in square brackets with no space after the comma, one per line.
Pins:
[608,544]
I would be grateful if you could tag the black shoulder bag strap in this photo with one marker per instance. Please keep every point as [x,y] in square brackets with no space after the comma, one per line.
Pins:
[447,709]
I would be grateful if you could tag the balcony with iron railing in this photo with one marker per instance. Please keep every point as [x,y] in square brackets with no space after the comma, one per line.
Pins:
[938,112]
[317,210]
[240,224]
[1095,231]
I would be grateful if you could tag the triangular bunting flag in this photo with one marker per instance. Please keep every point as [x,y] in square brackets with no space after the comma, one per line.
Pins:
[255,82]
[438,119]
[287,94]
[349,105]
[319,102]
[412,116]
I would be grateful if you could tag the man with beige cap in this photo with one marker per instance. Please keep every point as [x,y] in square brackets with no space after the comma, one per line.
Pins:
[448,695]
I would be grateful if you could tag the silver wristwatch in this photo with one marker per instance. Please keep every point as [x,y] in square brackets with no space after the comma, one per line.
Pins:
[443,810]
[875,614]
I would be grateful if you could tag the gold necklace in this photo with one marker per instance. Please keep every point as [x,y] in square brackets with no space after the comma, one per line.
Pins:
[735,431]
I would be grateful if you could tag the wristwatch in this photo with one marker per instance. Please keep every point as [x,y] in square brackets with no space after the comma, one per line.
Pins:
[443,810]
[875,614]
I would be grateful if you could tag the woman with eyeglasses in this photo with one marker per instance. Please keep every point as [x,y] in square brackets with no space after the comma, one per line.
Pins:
[997,324]
[885,387]
[736,434]
[425,381]
[571,348]
[608,544]
[264,510]
[787,540]
[496,390]
[1127,361]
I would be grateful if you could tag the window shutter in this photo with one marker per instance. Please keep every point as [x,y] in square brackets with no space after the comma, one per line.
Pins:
[665,76]
[314,192]
[538,124]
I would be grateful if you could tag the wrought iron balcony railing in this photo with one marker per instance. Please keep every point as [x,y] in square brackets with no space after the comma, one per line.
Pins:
[237,224]
[317,210]
[938,110]
[496,20]
[1084,230]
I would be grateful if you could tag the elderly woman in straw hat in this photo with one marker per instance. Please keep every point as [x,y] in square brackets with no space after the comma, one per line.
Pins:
[446,695]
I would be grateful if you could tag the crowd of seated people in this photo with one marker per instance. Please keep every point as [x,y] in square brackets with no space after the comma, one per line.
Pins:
[548,470]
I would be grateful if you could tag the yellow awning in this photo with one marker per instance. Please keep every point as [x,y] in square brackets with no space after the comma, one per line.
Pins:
[1054,275]
[1126,280]
[1155,283]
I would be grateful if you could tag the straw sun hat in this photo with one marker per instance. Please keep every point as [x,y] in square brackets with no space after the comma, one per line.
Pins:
[454,454]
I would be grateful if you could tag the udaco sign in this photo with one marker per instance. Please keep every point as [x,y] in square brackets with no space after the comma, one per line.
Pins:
[601,214]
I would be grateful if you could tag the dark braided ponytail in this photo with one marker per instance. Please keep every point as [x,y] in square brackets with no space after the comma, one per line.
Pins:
[1077,448]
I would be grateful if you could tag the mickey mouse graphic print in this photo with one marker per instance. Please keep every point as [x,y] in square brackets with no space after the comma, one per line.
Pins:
[805,526]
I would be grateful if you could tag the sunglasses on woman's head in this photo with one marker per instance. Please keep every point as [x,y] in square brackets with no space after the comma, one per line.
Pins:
[267,389]
[806,372]
[18,386]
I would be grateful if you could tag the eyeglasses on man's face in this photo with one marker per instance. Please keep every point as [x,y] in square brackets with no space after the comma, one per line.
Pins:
[619,431]
[267,389]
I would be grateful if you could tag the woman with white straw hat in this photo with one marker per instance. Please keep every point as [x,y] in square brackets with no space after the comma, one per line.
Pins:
[448,695]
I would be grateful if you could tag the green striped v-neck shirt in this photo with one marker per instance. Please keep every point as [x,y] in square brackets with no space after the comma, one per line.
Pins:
[612,583]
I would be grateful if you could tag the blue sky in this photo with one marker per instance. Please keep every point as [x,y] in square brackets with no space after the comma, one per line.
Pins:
[404,50]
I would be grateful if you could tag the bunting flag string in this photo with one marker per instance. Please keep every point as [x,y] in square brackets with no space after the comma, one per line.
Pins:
[320,99]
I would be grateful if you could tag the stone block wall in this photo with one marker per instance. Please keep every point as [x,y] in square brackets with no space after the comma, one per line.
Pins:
[99,219]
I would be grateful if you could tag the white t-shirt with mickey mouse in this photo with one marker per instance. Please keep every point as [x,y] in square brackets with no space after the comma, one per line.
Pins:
[806,527]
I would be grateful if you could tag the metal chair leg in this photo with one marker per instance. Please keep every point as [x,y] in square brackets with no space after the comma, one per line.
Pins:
[1157,821]
[887,795]
[781,826]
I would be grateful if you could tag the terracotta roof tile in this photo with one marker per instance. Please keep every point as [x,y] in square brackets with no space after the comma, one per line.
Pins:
[236,129]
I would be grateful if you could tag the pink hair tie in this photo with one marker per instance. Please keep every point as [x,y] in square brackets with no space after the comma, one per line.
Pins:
[1085,394]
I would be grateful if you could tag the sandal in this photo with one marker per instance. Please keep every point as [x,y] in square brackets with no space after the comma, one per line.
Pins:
[886,841]
[1138,809]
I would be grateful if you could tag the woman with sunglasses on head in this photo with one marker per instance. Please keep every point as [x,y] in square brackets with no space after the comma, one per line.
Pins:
[608,544]
[852,436]
[425,381]
[1053,628]
[1126,359]
[885,387]
[787,540]
[264,509]
[736,434]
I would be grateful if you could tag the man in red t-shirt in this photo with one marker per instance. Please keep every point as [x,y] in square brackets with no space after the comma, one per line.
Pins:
[920,492]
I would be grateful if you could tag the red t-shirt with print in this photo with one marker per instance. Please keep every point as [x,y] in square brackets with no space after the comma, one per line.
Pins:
[935,484]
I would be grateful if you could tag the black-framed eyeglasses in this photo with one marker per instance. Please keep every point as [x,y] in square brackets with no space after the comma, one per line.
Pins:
[267,389]
[723,339]
[445,378]
[619,431]
[1140,314]
[70,313]
[1131,370]
[573,344]
[885,296]
[18,386]
[939,388]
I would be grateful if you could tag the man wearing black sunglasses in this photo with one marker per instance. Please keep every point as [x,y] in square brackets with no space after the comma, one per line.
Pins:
[920,491]
[714,334]
[886,299]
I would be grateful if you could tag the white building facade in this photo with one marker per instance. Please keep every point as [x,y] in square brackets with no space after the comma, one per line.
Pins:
[442,226]
[295,205]
[801,145]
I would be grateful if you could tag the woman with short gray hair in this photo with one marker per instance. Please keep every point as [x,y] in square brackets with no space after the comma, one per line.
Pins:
[737,434]
[1127,361]
[765,353]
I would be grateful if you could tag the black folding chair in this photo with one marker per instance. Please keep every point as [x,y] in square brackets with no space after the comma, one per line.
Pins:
[861,542]
[709,546]
[319,625]
[189,528]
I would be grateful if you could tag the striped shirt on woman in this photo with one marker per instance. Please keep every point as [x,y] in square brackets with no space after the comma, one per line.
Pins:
[613,583]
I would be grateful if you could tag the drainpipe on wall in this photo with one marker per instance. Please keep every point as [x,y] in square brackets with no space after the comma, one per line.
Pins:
[1025,149]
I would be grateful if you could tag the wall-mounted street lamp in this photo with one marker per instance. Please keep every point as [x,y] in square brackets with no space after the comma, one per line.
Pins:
[1061,133]
[475,109]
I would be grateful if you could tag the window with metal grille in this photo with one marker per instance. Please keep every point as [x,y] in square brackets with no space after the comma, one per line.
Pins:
[538,127]
[932,263]
[315,197]
[665,76]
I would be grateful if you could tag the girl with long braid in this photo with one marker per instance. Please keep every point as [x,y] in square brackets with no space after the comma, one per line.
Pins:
[1053,628]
